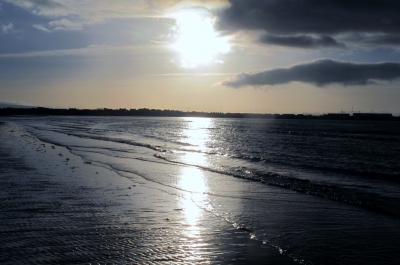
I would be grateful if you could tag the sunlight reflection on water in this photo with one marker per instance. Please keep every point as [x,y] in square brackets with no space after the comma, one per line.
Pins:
[197,133]
[192,179]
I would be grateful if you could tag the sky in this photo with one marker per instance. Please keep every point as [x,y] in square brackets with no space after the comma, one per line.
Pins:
[258,56]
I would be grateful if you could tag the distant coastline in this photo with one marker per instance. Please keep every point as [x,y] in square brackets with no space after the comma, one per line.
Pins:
[40,111]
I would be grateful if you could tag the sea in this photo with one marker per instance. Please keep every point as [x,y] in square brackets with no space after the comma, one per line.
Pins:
[313,191]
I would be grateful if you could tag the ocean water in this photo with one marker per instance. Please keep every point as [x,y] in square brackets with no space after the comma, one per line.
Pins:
[317,192]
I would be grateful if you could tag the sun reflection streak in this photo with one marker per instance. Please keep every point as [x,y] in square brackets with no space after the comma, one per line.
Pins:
[192,179]
[197,134]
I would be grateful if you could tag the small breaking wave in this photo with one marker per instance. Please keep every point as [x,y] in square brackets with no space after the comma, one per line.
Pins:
[359,198]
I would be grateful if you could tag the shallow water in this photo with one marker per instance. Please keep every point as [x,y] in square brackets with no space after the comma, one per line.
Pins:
[317,192]
[61,210]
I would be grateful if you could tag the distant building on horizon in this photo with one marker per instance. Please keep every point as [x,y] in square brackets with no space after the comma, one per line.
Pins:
[372,116]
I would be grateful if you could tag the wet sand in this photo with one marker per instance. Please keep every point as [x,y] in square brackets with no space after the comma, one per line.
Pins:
[57,208]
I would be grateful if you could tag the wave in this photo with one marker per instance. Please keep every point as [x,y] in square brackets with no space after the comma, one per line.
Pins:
[336,169]
[363,199]
[359,198]
[395,177]
[167,140]
[354,134]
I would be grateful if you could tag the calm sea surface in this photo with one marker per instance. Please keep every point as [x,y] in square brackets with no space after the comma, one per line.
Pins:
[320,192]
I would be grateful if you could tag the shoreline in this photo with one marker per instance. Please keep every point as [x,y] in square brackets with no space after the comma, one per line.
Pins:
[58,208]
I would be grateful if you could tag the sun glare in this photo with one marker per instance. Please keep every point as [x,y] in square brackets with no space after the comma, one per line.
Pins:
[197,41]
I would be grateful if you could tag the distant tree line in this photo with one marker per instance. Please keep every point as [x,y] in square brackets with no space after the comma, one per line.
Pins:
[40,111]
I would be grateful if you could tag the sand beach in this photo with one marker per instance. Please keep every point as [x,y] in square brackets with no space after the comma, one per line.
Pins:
[137,190]
[57,208]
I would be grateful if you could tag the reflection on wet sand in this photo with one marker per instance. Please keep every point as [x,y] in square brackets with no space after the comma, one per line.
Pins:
[192,179]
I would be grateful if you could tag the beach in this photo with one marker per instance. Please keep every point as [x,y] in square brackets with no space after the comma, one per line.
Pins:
[77,192]
[59,209]
[200,132]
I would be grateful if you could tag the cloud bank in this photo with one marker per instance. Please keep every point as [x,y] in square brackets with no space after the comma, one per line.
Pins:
[321,73]
[330,20]
[301,41]
[92,11]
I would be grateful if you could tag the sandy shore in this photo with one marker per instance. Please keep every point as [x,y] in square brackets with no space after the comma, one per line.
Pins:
[57,208]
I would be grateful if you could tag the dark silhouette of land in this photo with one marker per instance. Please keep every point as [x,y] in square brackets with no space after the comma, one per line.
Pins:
[40,111]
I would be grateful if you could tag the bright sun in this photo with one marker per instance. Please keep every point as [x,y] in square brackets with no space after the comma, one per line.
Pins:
[197,41]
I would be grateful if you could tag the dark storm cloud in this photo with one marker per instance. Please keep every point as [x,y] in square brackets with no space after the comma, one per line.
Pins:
[293,18]
[321,73]
[312,16]
[303,41]
[376,39]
